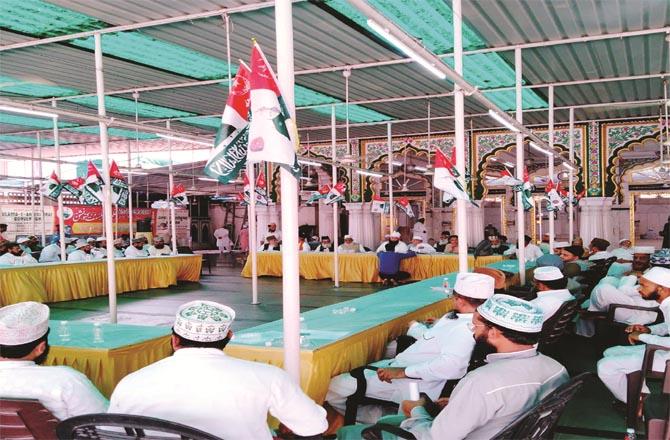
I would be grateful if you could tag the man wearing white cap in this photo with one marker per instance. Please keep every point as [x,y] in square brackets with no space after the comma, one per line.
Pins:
[118,248]
[24,329]
[23,244]
[441,352]
[159,248]
[202,387]
[641,260]
[136,249]
[393,244]
[552,290]
[624,252]
[621,360]
[349,246]
[83,252]
[100,251]
[513,380]
[15,256]
[420,247]
[51,253]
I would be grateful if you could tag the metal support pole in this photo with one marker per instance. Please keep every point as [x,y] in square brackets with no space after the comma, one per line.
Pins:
[571,181]
[61,218]
[289,199]
[552,231]
[459,134]
[106,188]
[253,240]
[336,217]
[389,141]
[32,190]
[520,214]
[173,208]
[39,176]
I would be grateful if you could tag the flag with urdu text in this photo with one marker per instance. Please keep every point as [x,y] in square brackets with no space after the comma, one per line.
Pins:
[526,190]
[74,186]
[379,206]
[555,201]
[322,193]
[178,195]
[119,186]
[448,179]
[273,135]
[336,193]
[91,192]
[403,203]
[52,187]
[259,189]
[230,147]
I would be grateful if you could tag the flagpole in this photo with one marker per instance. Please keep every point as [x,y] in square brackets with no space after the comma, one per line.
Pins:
[389,141]
[336,232]
[552,232]
[61,217]
[459,120]
[107,183]
[571,178]
[289,202]
[39,176]
[253,239]
[520,214]
[173,208]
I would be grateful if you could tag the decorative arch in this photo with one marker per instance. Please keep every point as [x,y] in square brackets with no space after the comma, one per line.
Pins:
[613,184]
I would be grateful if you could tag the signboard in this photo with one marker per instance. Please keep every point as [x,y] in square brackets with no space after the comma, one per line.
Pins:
[182,222]
[87,220]
[18,219]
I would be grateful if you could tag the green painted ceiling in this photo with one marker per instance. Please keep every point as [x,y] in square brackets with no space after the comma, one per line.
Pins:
[17,139]
[27,88]
[27,121]
[127,107]
[42,19]
[116,132]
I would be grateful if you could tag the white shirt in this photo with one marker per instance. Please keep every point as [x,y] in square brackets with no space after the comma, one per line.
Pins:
[267,248]
[400,248]
[422,248]
[80,255]
[549,301]
[352,248]
[420,230]
[155,252]
[132,252]
[601,255]
[532,252]
[50,254]
[276,233]
[99,253]
[12,260]
[118,253]
[304,247]
[222,238]
[321,248]
[222,395]
[623,254]
[659,332]
[62,390]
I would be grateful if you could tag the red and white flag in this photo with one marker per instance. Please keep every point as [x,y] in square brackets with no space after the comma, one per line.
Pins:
[447,178]
[403,203]
[178,195]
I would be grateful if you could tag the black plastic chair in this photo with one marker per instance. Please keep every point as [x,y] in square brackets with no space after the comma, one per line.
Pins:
[657,410]
[555,327]
[92,426]
[634,397]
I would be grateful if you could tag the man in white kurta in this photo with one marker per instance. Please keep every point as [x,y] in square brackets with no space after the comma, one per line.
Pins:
[618,361]
[598,250]
[350,246]
[83,252]
[551,290]
[223,241]
[15,256]
[159,248]
[441,352]
[51,253]
[532,251]
[23,346]
[393,244]
[420,247]
[202,387]
[624,252]
[136,249]
[419,229]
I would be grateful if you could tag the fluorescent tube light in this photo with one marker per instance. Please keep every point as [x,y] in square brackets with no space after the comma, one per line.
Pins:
[139,173]
[309,163]
[568,166]
[396,163]
[498,117]
[27,112]
[207,179]
[369,173]
[177,138]
[420,169]
[306,179]
[385,34]
[534,146]
[509,164]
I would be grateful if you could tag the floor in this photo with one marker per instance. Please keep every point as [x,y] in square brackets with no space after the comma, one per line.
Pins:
[591,410]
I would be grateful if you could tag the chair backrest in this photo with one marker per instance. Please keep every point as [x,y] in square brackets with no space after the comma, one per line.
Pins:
[184,250]
[497,274]
[539,422]
[555,327]
[21,419]
[92,426]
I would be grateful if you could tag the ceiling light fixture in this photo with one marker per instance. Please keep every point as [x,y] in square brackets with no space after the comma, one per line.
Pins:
[420,169]
[568,166]
[22,111]
[396,163]
[309,163]
[498,117]
[534,146]
[369,173]
[385,34]
[207,179]
[177,138]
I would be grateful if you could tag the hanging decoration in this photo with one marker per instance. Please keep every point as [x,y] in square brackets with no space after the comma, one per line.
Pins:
[505,179]
[554,200]
[119,186]
[403,204]
[261,199]
[336,193]
[178,195]
[379,206]
[526,190]
[449,180]
[322,193]
[52,187]
[91,192]
[74,186]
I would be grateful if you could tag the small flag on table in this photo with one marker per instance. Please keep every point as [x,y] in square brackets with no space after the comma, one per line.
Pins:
[52,187]
[119,186]
[91,193]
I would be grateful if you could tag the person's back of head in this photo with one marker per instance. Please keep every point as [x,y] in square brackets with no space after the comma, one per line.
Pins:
[599,244]
[24,331]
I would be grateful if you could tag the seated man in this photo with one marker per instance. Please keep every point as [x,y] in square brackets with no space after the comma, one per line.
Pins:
[419,247]
[491,397]
[24,345]
[598,250]
[271,244]
[349,246]
[23,244]
[83,252]
[325,246]
[441,352]
[159,248]
[394,244]
[200,386]
[497,247]
[551,290]
[136,249]
[51,252]
[15,256]
[618,361]
[118,248]
[444,241]
[303,246]
[641,260]
[532,252]
[452,247]
[573,265]
[624,252]
[100,251]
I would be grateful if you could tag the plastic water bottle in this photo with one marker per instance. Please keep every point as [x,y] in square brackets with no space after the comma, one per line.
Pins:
[97,333]
[630,434]
[64,331]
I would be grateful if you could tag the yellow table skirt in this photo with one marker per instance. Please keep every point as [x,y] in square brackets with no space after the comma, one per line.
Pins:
[362,267]
[318,366]
[53,282]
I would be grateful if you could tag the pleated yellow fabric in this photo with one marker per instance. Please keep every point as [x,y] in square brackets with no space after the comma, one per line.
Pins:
[55,282]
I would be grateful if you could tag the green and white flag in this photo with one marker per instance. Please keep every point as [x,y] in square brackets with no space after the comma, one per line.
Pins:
[52,187]
[91,193]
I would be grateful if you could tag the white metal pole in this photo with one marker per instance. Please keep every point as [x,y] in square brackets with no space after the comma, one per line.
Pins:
[459,121]
[173,208]
[32,190]
[571,176]
[336,217]
[289,199]
[520,214]
[61,217]
[106,188]
[552,231]
[39,176]
[389,141]
[131,224]
[253,240]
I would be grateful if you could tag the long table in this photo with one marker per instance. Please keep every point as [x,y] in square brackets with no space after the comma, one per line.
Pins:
[108,356]
[53,282]
[362,267]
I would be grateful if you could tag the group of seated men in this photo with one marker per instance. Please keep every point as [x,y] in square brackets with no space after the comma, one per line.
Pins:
[28,251]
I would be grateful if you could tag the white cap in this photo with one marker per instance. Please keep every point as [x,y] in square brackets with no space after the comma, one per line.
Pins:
[101,239]
[561,244]
[81,243]
[474,285]
[23,323]
[417,237]
[90,240]
[623,239]
[512,313]
[547,273]
[203,321]
[658,275]
[22,240]
[643,250]
[395,234]
[346,237]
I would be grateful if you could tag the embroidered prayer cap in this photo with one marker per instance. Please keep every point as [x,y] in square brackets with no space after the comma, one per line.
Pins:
[474,285]
[660,258]
[417,237]
[23,322]
[137,240]
[658,275]
[643,250]
[622,240]
[395,234]
[512,313]
[81,243]
[561,244]
[203,321]
[547,273]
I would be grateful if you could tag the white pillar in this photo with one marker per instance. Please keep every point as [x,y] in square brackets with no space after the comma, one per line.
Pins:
[595,219]
[171,206]
[289,202]
[107,187]
[475,225]
[552,231]
[336,213]
[571,181]
[520,214]
[325,220]
[61,219]
[253,236]
[39,158]
[32,191]
[459,133]
[389,141]
[130,193]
